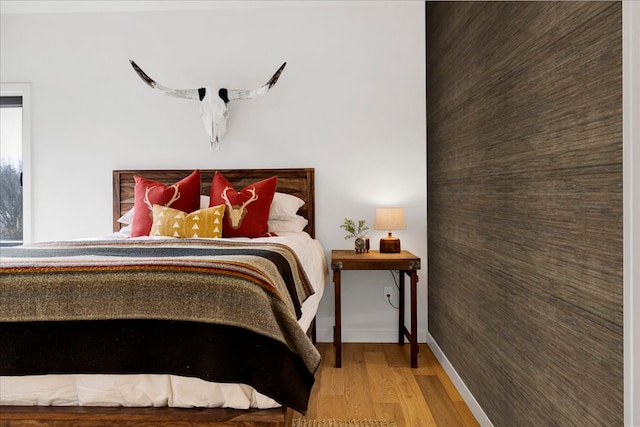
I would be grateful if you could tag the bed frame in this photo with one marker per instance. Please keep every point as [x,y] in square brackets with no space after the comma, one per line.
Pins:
[299,182]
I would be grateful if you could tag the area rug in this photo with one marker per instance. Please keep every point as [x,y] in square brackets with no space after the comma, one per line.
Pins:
[343,423]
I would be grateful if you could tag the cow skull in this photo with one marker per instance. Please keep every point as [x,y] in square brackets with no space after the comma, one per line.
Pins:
[213,101]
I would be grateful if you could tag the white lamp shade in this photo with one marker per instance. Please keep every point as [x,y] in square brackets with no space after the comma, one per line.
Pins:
[389,219]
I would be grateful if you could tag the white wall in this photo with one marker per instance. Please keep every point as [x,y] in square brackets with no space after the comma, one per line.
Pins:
[350,103]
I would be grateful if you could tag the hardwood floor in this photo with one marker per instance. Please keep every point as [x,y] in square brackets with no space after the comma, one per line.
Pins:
[376,382]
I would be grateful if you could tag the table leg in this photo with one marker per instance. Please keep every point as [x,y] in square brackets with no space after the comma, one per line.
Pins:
[337,329]
[401,307]
[414,319]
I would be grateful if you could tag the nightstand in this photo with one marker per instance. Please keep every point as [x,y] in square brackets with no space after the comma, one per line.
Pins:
[406,263]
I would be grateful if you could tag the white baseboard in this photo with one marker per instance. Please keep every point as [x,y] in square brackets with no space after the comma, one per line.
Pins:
[326,335]
[471,401]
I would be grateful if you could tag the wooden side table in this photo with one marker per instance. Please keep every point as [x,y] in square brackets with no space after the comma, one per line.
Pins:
[406,263]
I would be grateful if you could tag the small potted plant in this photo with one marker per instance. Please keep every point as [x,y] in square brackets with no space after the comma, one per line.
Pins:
[359,231]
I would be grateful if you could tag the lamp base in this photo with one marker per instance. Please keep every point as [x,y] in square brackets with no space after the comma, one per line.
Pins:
[389,245]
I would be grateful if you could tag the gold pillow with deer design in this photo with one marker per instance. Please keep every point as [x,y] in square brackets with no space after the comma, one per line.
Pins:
[176,223]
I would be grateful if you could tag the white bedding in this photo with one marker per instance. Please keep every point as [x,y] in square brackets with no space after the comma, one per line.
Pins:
[165,390]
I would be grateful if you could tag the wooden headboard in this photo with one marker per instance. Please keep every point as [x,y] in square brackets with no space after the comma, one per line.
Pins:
[299,182]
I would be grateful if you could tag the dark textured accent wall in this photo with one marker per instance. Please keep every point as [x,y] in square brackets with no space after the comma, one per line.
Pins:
[524,118]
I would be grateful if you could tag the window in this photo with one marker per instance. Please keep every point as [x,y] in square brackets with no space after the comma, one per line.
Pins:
[13,146]
[11,218]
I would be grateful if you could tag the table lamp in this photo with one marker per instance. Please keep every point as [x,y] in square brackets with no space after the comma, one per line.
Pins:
[389,219]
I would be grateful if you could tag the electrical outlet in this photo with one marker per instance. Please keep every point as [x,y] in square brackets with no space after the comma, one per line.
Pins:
[387,293]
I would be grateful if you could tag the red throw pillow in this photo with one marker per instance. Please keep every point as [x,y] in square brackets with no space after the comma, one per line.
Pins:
[184,195]
[247,211]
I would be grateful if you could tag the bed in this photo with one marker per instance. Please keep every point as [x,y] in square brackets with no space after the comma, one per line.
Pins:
[153,343]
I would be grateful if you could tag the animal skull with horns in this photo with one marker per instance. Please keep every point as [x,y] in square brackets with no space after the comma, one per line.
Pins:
[213,102]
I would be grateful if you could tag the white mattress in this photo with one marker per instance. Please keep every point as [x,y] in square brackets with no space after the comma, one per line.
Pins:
[165,390]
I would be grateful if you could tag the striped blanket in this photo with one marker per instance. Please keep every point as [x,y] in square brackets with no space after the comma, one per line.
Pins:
[223,311]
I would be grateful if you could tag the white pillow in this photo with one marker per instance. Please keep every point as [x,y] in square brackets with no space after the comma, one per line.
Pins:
[204,201]
[292,223]
[126,230]
[127,218]
[284,206]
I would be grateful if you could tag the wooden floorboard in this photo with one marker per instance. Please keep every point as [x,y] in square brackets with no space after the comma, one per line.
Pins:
[376,382]
[442,408]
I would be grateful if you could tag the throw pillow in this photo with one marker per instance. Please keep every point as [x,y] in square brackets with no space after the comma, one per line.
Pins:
[184,195]
[247,210]
[176,223]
